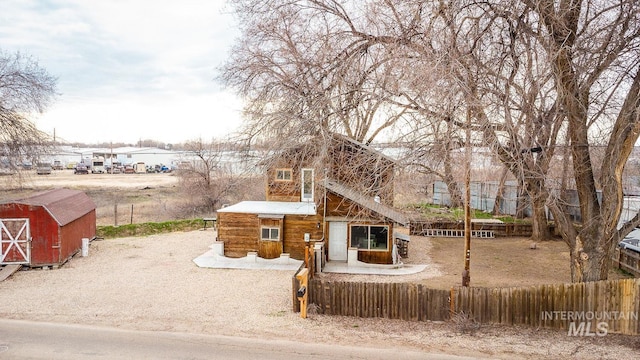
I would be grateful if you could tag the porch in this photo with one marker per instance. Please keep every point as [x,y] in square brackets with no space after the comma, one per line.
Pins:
[214,258]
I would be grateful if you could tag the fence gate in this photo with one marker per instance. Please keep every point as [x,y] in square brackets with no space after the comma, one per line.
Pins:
[15,236]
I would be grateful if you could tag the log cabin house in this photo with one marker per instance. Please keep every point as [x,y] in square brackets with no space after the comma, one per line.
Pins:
[335,191]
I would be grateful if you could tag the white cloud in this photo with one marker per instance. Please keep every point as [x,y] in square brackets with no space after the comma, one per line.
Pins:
[128,69]
[167,119]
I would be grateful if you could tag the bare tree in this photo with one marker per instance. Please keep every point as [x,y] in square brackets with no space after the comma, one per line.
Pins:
[527,73]
[535,71]
[25,88]
[532,71]
[307,71]
[592,47]
[211,174]
[302,74]
[430,148]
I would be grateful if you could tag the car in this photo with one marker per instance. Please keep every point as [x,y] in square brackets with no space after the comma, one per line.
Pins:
[81,169]
[57,165]
[128,169]
[44,168]
[630,243]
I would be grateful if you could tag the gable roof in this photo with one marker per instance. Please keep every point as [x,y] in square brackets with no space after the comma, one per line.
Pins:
[366,202]
[357,144]
[64,205]
[313,144]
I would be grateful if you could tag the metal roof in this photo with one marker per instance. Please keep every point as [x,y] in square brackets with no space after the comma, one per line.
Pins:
[64,205]
[366,202]
[271,207]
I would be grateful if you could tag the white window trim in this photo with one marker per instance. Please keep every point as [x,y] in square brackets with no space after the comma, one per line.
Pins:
[310,197]
[271,228]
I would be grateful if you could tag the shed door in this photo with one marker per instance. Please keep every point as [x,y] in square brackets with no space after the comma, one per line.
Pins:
[14,241]
[337,241]
[271,239]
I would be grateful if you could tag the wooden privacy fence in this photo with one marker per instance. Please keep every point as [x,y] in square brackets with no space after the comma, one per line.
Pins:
[406,301]
[560,306]
[578,307]
[627,260]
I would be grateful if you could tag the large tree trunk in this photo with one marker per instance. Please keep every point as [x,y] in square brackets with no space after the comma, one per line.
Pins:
[500,192]
[586,252]
[624,136]
[454,191]
[594,242]
[450,180]
[540,227]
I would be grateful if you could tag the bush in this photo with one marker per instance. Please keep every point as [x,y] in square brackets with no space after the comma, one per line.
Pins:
[149,228]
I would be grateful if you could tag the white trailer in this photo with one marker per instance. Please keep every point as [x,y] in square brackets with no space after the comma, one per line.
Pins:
[139,168]
[97,165]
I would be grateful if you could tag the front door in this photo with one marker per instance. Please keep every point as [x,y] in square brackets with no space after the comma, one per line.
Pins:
[14,241]
[337,241]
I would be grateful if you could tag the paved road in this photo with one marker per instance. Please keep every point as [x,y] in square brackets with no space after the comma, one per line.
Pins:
[36,340]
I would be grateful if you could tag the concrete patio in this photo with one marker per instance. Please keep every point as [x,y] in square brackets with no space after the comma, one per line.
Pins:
[214,258]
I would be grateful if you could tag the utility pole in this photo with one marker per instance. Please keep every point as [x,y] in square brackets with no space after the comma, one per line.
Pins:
[466,274]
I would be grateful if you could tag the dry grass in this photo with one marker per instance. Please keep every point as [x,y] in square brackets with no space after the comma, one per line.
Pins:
[119,198]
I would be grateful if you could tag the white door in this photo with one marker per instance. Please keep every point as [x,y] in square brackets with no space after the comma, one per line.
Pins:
[337,241]
[14,241]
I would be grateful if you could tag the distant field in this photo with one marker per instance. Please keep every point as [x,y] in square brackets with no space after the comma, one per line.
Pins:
[131,197]
[66,178]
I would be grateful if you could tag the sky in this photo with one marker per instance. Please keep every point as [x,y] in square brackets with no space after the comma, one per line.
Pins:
[128,70]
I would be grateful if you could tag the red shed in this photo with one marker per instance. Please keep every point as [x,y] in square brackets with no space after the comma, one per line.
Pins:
[45,229]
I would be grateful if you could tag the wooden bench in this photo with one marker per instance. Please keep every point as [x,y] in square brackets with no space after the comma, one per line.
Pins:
[211,220]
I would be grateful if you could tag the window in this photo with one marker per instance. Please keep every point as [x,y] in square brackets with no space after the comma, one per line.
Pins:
[270,233]
[307,185]
[370,237]
[283,174]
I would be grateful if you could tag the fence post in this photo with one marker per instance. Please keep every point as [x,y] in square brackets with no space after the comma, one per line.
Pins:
[302,292]
[452,302]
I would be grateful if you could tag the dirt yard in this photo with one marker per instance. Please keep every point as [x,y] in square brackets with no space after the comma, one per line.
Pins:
[151,283]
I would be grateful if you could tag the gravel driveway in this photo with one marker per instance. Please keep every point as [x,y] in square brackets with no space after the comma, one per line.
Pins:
[151,283]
